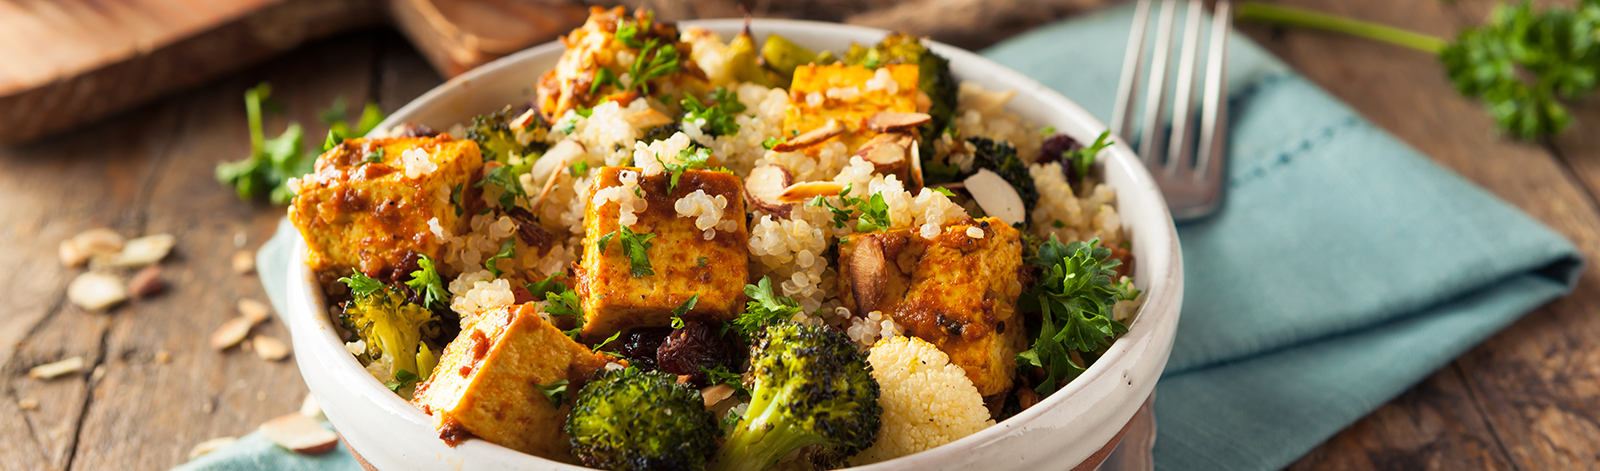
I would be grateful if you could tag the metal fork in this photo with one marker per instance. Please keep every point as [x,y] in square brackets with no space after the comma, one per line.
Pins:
[1191,183]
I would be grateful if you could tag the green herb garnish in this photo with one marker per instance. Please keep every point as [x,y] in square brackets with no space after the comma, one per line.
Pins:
[556,392]
[635,246]
[721,117]
[427,282]
[764,307]
[1075,294]
[507,250]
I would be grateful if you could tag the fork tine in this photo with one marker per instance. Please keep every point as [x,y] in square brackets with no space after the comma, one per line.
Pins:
[1150,138]
[1214,117]
[1183,107]
[1132,62]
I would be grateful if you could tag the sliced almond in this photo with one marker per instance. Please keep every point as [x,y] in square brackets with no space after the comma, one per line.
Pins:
[256,311]
[916,165]
[985,101]
[869,274]
[811,138]
[147,282]
[800,192]
[28,403]
[231,333]
[524,120]
[896,121]
[563,152]
[764,189]
[310,408]
[144,251]
[99,241]
[648,119]
[53,370]
[70,255]
[270,348]
[96,291]
[300,434]
[210,446]
[997,197]
[244,262]
[716,393]
[886,151]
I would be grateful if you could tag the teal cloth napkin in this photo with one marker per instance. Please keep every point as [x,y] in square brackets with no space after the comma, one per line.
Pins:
[1343,268]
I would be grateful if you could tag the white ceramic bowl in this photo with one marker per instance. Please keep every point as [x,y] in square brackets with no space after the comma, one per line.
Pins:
[1065,429]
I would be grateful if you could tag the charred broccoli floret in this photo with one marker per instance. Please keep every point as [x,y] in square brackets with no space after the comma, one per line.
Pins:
[634,420]
[392,331]
[933,78]
[498,141]
[810,387]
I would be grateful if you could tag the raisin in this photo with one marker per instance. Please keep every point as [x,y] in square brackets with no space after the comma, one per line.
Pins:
[1051,150]
[641,344]
[697,345]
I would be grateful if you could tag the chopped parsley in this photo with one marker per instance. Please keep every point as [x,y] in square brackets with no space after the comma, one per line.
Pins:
[678,312]
[374,156]
[362,286]
[507,177]
[1081,159]
[608,340]
[580,168]
[772,142]
[603,77]
[720,375]
[562,302]
[634,246]
[764,307]
[455,198]
[402,379]
[654,60]
[507,250]
[943,191]
[701,261]
[556,392]
[874,210]
[720,117]
[1075,295]
[429,284]
[688,159]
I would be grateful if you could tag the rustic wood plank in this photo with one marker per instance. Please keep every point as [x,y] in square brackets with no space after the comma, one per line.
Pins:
[1532,409]
[144,414]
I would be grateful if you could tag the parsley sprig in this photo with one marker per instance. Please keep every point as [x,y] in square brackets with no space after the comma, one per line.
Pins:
[426,281]
[874,210]
[507,250]
[764,306]
[688,159]
[1075,295]
[272,162]
[635,246]
[721,115]
[1521,63]
[563,302]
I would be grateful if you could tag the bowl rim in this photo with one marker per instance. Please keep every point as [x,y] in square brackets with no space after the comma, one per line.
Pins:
[1154,327]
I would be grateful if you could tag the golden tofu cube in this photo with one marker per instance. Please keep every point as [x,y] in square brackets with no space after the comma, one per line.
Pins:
[956,291]
[370,215]
[685,263]
[849,94]
[486,384]
[593,48]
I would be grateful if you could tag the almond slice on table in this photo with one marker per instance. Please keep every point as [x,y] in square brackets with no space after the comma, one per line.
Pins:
[244,262]
[96,291]
[811,138]
[896,121]
[310,408]
[270,348]
[144,250]
[997,197]
[209,446]
[254,310]
[147,282]
[800,192]
[87,244]
[765,186]
[53,370]
[231,333]
[300,434]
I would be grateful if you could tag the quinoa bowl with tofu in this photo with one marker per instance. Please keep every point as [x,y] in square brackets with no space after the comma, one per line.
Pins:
[752,258]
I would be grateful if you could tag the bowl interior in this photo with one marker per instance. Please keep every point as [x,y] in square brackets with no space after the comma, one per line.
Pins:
[1067,427]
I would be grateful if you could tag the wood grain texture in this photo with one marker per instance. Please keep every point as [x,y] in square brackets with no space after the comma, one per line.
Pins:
[1527,399]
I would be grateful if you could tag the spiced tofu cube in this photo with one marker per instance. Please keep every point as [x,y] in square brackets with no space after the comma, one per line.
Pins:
[487,383]
[638,265]
[848,94]
[958,291]
[372,203]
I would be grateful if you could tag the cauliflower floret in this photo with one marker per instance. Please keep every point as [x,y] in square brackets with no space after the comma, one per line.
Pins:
[926,401]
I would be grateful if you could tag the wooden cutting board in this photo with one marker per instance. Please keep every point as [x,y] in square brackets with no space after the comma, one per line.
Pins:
[67,62]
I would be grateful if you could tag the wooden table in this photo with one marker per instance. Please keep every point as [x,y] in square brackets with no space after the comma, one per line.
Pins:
[1529,398]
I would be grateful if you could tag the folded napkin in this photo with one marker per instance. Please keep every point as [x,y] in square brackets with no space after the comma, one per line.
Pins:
[1342,269]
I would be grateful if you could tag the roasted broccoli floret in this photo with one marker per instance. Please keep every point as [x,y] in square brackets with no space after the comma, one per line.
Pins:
[933,78]
[392,330]
[810,387]
[629,419]
[498,141]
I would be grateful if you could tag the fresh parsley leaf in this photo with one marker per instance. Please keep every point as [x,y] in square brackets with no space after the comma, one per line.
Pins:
[607,341]
[678,312]
[362,286]
[584,112]
[580,168]
[764,307]
[688,159]
[556,392]
[1047,131]
[508,178]
[655,60]
[720,117]
[1075,295]
[428,282]
[603,77]
[943,191]
[874,214]
[272,162]
[1083,158]
[374,156]
[564,303]
[772,142]
[700,262]
[507,250]
[548,285]
[402,379]
[721,375]
[455,198]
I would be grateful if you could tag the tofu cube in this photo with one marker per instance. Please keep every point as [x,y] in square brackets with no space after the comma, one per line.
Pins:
[956,291]
[684,262]
[486,382]
[849,94]
[370,215]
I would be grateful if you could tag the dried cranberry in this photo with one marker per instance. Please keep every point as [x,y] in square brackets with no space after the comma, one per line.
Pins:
[1052,150]
[414,130]
[694,346]
[640,346]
